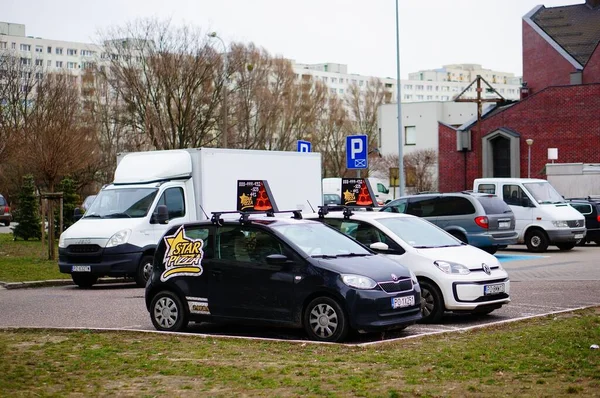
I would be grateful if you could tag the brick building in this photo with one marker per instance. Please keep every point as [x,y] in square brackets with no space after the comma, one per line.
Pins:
[560,105]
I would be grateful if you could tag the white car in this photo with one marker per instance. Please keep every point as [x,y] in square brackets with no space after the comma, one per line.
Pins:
[453,276]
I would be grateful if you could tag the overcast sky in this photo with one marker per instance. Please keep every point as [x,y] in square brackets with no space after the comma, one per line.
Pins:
[359,33]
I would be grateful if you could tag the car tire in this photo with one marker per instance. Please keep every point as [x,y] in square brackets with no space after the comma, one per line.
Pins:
[144,271]
[536,241]
[7,223]
[565,246]
[84,281]
[459,235]
[325,320]
[490,249]
[581,242]
[432,303]
[167,312]
[484,312]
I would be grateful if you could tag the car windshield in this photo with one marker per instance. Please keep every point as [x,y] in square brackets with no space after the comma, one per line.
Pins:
[544,193]
[122,203]
[319,240]
[419,233]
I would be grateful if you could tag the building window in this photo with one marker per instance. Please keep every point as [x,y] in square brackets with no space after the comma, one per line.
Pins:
[71,51]
[88,53]
[39,49]
[72,65]
[25,47]
[407,96]
[3,44]
[332,90]
[49,63]
[445,98]
[429,97]
[13,46]
[429,88]
[360,82]
[419,87]
[25,61]
[59,50]
[325,79]
[408,86]
[59,64]
[333,80]
[419,98]
[49,50]
[39,62]
[410,135]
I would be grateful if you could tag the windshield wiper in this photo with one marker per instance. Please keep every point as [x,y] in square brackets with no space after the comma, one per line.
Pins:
[324,256]
[117,215]
[354,255]
[93,215]
[423,247]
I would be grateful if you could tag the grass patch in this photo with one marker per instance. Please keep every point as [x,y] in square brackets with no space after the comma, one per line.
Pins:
[548,356]
[22,261]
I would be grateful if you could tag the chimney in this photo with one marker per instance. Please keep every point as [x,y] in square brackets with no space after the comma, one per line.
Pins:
[593,4]
[524,90]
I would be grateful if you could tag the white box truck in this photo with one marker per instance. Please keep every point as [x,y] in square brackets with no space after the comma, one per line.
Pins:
[118,234]
[542,216]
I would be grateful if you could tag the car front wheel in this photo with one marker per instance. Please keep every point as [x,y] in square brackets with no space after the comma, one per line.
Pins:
[432,303]
[536,241]
[84,280]
[144,271]
[565,246]
[325,320]
[168,313]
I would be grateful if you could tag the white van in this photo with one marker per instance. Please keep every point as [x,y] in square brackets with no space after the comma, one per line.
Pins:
[542,215]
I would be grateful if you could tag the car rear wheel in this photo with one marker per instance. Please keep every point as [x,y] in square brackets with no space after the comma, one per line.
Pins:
[84,280]
[144,271]
[168,313]
[536,241]
[460,236]
[565,246]
[432,303]
[325,320]
[490,249]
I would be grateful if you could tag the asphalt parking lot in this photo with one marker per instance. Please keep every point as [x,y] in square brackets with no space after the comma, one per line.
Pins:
[540,284]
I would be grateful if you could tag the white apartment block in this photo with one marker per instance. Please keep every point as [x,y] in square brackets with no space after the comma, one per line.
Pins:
[50,54]
[429,85]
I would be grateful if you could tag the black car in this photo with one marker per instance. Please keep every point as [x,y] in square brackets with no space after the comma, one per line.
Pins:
[590,208]
[5,215]
[278,271]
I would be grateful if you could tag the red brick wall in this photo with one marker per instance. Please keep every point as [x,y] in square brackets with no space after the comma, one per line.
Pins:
[591,72]
[563,117]
[543,66]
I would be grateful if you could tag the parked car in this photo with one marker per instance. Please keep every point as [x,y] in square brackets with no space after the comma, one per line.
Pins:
[278,271]
[5,214]
[331,199]
[481,220]
[453,276]
[590,208]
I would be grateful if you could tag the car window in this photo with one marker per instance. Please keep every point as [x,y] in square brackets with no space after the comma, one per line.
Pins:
[453,206]
[207,237]
[583,208]
[419,233]
[247,244]
[493,205]
[487,188]
[363,232]
[399,204]
[421,206]
[173,199]
[514,195]
[2,201]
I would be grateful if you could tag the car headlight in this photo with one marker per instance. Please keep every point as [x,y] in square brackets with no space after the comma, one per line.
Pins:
[359,281]
[560,224]
[119,238]
[452,268]
[61,241]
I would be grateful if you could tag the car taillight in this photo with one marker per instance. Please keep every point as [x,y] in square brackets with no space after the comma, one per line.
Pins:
[482,221]
[6,209]
[598,218]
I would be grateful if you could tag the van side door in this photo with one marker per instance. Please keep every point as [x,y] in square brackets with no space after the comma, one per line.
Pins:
[521,205]
[174,199]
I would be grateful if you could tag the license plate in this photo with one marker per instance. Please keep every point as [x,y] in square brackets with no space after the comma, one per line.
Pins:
[578,236]
[493,289]
[81,268]
[399,302]
[504,224]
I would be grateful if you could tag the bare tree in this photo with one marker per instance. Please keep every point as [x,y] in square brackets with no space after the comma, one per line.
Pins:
[419,169]
[169,80]
[331,127]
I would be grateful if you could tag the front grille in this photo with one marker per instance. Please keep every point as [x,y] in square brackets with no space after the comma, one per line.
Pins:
[83,249]
[575,223]
[402,285]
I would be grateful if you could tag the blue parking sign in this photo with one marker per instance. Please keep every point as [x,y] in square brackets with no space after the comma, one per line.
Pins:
[304,146]
[356,152]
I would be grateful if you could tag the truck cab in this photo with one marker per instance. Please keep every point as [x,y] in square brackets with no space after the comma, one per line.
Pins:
[543,217]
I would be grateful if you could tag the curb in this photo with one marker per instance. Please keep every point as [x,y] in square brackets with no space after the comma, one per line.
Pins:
[56,282]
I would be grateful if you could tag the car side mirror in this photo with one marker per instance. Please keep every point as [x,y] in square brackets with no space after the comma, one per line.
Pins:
[77,214]
[162,215]
[276,259]
[379,246]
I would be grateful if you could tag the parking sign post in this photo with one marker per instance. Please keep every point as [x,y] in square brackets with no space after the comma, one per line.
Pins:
[357,153]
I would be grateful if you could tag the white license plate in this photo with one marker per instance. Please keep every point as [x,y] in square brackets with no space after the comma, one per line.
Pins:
[81,268]
[578,236]
[399,302]
[493,289]
[504,224]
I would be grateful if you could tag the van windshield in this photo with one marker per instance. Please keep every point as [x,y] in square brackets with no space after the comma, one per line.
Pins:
[122,203]
[544,193]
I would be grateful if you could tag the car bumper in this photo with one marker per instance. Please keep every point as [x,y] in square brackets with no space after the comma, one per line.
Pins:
[371,310]
[121,262]
[468,293]
[565,235]
[5,217]
[493,239]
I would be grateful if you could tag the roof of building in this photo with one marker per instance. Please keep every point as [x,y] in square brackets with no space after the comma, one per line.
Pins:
[576,28]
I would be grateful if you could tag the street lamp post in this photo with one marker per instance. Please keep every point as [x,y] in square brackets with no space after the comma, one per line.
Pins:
[529,142]
[398,100]
[225,84]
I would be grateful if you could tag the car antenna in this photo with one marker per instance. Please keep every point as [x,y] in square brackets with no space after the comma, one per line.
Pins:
[312,208]
[205,215]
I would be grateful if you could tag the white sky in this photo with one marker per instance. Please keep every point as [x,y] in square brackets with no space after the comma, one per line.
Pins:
[359,33]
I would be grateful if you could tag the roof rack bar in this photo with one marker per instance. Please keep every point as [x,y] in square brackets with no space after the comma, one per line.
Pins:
[244,215]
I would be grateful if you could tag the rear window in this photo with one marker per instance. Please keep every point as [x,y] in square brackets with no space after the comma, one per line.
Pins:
[2,201]
[494,205]
[583,208]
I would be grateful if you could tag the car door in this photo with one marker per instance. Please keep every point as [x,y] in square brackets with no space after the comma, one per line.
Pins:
[242,283]
[521,205]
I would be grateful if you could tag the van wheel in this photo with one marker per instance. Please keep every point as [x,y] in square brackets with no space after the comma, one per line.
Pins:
[168,313]
[432,303]
[490,249]
[460,236]
[144,271]
[325,320]
[536,241]
[565,246]
[84,280]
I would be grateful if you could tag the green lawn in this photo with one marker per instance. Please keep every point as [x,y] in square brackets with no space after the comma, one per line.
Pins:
[26,261]
[543,357]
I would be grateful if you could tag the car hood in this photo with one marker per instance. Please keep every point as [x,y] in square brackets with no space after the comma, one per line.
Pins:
[561,211]
[467,255]
[376,267]
[104,228]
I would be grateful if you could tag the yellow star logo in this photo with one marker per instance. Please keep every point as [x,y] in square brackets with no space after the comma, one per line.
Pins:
[183,256]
